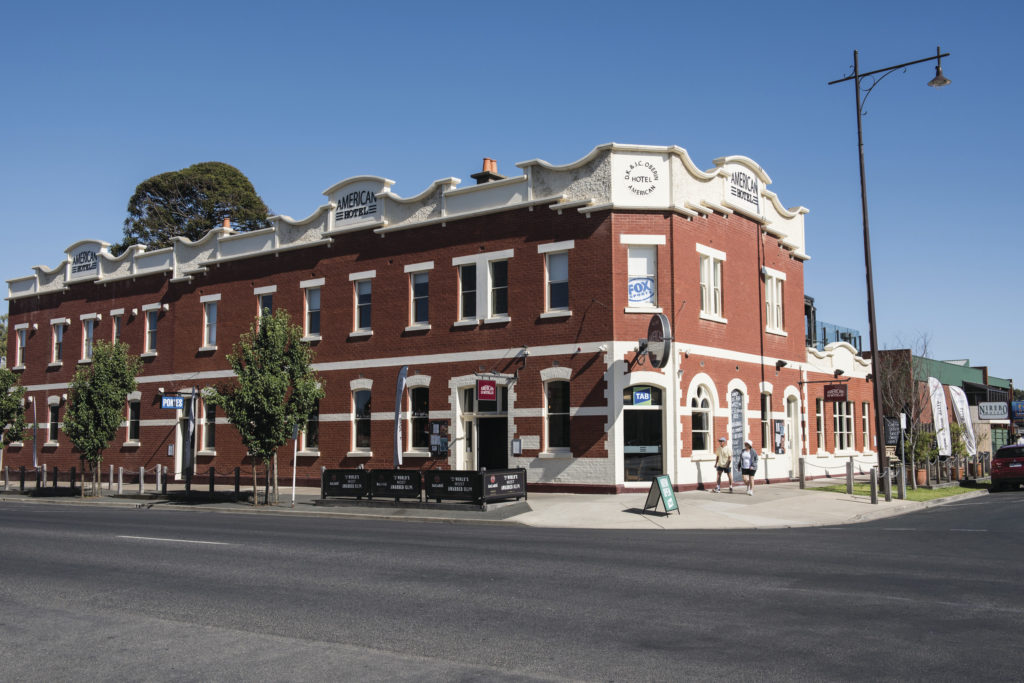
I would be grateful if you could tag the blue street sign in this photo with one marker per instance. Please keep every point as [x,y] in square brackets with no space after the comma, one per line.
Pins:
[172,402]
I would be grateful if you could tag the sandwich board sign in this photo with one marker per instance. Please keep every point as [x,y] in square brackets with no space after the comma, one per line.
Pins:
[661,489]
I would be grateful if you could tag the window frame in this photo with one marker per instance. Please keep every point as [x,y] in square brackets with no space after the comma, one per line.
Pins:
[419,418]
[362,278]
[774,299]
[133,431]
[842,421]
[116,325]
[358,420]
[21,345]
[312,428]
[264,295]
[53,424]
[152,325]
[703,394]
[57,331]
[483,293]
[711,267]
[819,421]
[550,251]
[636,245]
[865,412]
[209,340]
[465,291]
[419,271]
[766,423]
[88,321]
[564,416]
[497,293]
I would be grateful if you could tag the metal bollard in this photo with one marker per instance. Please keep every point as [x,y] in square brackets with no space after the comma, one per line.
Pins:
[213,475]
[56,476]
[238,480]
[21,477]
[44,476]
[849,477]
[110,479]
[903,481]
[7,477]
[887,484]
[120,480]
[803,474]
[874,486]
[157,487]
[71,481]
[163,480]
[142,480]
[39,479]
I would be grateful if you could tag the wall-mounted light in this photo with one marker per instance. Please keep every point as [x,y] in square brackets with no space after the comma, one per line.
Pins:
[869,377]
[837,373]
[160,390]
[779,364]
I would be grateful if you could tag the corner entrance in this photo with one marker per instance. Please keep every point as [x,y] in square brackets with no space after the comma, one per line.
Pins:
[492,442]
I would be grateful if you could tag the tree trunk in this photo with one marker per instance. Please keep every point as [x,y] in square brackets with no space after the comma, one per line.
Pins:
[255,484]
[266,484]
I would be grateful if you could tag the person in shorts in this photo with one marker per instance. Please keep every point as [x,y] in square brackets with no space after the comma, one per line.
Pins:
[723,465]
[748,465]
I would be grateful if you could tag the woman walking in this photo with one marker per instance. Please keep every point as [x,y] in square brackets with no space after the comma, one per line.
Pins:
[748,465]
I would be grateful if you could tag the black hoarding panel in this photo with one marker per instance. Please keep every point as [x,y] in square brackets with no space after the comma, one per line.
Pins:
[345,483]
[396,484]
[504,484]
[452,484]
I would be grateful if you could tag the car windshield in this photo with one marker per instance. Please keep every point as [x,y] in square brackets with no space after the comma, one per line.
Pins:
[1010,452]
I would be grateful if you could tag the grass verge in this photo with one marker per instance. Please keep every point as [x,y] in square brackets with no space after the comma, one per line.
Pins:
[920,495]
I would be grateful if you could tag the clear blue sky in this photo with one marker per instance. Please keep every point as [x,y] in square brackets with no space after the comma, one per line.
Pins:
[99,96]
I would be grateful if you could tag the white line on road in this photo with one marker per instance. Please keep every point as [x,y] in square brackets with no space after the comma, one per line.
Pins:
[173,540]
[981,530]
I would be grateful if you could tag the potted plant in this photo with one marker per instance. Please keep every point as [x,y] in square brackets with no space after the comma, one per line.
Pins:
[959,446]
[924,450]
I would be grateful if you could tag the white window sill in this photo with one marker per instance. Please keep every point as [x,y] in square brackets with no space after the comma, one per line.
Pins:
[712,318]
[642,309]
[306,453]
[207,349]
[416,454]
[16,444]
[465,323]
[311,338]
[359,454]
[131,444]
[360,333]
[554,455]
[16,368]
[497,320]
[206,453]
[702,456]
[56,364]
[84,361]
[51,444]
[147,354]
[418,327]
[556,314]
[781,333]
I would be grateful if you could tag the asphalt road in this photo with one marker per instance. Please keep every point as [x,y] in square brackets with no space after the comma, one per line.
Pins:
[186,595]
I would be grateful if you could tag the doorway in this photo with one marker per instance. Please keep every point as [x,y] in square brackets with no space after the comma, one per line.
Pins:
[492,443]
[643,447]
[793,434]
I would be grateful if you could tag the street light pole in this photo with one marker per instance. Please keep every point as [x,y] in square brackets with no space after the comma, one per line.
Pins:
[937,82]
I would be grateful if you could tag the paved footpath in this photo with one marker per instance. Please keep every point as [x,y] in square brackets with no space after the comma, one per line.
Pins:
[772,506]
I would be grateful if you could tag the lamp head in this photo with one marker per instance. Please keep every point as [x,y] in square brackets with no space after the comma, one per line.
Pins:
[837,373]
[940,80]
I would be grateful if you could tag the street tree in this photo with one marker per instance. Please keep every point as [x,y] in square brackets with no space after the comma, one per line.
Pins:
[904,392]
[274,390]
[97,398]
[189,203]
[12,409]
[3,334]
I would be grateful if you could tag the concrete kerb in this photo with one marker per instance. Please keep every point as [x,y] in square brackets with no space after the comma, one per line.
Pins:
[772,506]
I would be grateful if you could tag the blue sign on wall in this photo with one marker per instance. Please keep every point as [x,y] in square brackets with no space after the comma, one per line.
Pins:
[1017,408]
[642,396]
[172,402]
[641,290]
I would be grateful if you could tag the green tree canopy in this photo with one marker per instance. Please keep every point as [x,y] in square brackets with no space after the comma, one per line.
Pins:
[98,395]
[275,388]
[12,407]
[189,203]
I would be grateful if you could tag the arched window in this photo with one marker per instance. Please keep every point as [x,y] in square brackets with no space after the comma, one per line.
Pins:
[557,415]
[700,420]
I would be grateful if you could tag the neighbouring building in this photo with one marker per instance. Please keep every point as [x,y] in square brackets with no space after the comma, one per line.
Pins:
[517,304]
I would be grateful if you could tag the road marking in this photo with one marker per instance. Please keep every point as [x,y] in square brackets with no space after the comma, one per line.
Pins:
[981,530]
[173,540]
[899,528]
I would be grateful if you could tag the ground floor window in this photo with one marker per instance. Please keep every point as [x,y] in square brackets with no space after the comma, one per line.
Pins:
[643,441]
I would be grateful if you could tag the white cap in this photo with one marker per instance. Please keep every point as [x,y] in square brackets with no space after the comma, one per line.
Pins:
[748,442]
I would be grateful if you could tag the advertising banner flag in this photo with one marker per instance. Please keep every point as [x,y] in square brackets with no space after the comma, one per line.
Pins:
[400,390]
[940,416]
[963,415]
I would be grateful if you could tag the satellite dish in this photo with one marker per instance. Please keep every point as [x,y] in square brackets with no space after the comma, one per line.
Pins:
[659,340]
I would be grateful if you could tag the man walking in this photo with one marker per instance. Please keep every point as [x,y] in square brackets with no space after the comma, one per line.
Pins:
[723,464]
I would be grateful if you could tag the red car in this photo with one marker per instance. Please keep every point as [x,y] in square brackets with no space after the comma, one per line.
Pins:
[1008,467]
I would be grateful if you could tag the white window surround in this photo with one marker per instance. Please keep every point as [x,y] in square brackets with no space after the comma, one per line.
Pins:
[209,298]
[316,282]
[267,289]
[483,284]
[419,267]
[774,301]
[707,279]
[556,246]
[90,316]
[60,321]
[116,312]
[146,308]
[362,275]
[21,326]
[650,240]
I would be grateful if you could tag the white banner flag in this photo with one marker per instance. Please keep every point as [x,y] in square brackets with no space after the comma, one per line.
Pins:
[939,416]
[963,415]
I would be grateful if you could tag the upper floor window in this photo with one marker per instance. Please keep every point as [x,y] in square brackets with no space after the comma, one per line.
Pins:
[312,312]
[558,281]
[711,300]
[557,409]
[467,292]
[57,339]
[264,299]
[773,289]
[52,432]
[642,269]
[700,420]
[362,284]
[88,332]
[419,293]
[766,422]
[116,323]
[499,288]
[152,318]
[22,344]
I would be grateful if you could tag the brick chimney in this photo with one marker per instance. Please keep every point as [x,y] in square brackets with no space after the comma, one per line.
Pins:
[489,173]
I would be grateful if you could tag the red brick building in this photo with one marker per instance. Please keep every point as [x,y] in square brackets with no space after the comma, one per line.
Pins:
[542,283]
